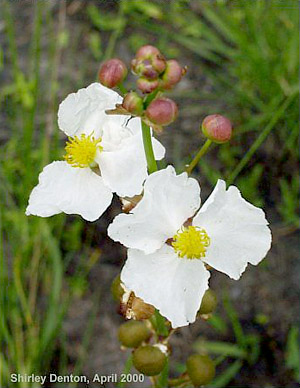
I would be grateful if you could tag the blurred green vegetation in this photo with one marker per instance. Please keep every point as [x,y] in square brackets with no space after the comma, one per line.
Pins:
[245,54]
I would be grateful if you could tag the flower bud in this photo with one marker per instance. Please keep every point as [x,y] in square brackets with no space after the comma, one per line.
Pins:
[146,52]
[148,62]
[133,103]
[132,333]
[133,307]
[162,111]
[201,369]
[116,288]
[209,302]
[112,72]
[146,85]
[172,75]
[149,360]
[217,128]
[144,68]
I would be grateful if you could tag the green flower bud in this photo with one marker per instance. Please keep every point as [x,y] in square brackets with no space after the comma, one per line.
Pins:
[116,289]
[149,360]
[209,302]
[112,72]
[132,333]
[217,128]
[162,111]
[201,369]
[133,103]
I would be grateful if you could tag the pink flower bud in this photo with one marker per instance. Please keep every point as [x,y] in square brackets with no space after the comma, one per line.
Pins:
[146,69]
[217,128]
[112,72]
[159,63]
[133,103]
[162,111]
[146,51]
[146,85]
[172,75]
[148,62]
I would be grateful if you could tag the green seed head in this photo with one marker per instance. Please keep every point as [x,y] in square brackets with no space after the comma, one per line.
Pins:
[116,289]
[133,333]
[209,302]
[149,360]
[201,369]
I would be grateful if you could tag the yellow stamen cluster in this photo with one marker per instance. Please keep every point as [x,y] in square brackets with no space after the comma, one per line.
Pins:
[81,151]
[191,242]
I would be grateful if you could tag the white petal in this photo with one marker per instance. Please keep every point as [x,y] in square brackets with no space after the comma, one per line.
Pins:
[63,188]
[238,231]
[124,169]
[158,149]
[115,133]
[173,285]
[84,111]
[168,201]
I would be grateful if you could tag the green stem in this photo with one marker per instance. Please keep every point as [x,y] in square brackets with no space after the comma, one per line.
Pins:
[122,88]
[199,155]
[151,162]
[259,140]
[179,381]
[150,97]
[126,371]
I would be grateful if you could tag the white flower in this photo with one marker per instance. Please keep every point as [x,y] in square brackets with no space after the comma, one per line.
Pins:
[168,250]
[111,144]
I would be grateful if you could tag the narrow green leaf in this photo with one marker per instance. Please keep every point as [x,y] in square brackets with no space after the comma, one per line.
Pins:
[218,323]
[292,357]
[234,319]
[219,348]
[224,378]
[162,381]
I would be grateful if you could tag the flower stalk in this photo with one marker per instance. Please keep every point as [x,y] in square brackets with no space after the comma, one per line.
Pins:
[151,162]
[199,155]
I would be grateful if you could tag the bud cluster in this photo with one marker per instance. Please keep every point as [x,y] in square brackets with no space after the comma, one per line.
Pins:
[154,71]
[155,75]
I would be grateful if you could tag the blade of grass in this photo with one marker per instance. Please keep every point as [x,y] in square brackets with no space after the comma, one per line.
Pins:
[220,348]
[224,378]
[234,319]
[126,371]
[259,140]
[86,339]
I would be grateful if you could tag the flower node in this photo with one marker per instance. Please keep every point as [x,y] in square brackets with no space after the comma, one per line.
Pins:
[81,152]
[191,242]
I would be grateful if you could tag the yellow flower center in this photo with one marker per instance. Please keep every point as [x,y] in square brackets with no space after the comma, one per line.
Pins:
[81,151]
[191,242]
